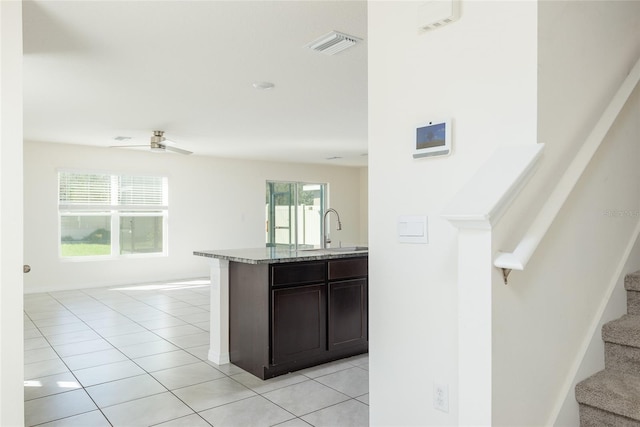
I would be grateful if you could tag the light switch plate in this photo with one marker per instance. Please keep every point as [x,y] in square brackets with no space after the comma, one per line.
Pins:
[413,229]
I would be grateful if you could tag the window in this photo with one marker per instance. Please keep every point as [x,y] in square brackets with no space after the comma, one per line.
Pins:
[294,213]
[105,215]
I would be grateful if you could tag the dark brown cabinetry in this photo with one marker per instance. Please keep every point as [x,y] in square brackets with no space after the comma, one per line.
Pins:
[289,316]
[347,313]
[299,323]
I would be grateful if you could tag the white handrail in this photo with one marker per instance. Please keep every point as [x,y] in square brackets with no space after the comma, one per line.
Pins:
[517,260]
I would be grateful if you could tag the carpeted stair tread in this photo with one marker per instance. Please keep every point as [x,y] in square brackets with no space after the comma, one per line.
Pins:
[632,281]
[611,391]
[594,417]
[625,330]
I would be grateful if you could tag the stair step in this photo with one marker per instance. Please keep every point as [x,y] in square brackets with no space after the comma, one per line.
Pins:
[632,281]
[594,417]
[624,331]
[611,391]
[622,358]
[633,302]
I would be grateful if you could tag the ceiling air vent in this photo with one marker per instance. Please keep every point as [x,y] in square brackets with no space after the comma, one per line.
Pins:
[332,43]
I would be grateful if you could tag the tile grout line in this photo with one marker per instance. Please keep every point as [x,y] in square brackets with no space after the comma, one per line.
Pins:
[70,371]
[118,349]
[150,373]
[114,347]
[185,350]
[230,375]
[138,365]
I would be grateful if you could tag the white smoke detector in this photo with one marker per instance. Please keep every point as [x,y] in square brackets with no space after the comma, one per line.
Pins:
[263,85]
[437,13]
[333,42]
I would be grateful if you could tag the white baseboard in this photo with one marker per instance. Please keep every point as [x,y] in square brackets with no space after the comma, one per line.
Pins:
[218,358]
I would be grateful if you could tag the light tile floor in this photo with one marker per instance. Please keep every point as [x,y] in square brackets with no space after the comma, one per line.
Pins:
[137,356]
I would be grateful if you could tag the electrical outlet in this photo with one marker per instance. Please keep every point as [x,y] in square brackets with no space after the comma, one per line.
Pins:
[441,397]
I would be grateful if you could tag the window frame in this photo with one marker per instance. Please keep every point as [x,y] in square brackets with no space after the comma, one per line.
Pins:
[324,202]
[115,210]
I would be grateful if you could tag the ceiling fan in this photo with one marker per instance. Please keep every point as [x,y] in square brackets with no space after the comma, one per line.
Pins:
[158,143]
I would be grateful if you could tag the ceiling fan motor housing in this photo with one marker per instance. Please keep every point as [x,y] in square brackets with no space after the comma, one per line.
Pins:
[157,138]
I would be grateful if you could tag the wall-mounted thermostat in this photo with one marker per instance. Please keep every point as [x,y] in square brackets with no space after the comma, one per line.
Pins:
[436,13]
[433,139]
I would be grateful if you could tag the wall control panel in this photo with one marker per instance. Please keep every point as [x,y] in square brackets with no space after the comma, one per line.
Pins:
[413,229]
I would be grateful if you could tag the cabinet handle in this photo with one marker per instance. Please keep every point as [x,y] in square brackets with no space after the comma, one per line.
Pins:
[26,268]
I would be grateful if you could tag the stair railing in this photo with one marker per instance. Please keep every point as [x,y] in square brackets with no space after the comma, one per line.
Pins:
[518,259]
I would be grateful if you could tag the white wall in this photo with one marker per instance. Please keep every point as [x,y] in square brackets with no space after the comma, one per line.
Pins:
[481,71]
[214,204]
[547,315]
[11,334]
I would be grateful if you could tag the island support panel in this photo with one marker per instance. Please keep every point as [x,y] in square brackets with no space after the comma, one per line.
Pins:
[219,314]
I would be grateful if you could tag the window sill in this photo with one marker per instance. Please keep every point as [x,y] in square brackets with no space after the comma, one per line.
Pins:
[112,258]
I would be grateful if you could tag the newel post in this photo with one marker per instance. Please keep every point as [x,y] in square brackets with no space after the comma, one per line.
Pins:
[475,212]
[474,324]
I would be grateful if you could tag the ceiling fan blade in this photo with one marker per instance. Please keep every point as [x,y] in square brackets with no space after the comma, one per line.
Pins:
[128,146]
[177,150]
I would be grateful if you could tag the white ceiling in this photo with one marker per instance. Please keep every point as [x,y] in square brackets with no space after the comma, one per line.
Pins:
[94,70]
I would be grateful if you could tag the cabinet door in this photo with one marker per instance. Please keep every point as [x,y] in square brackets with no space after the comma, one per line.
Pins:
[299,320]
[348,311]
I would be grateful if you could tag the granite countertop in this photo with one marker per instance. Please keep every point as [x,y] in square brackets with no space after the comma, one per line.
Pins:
[277,255]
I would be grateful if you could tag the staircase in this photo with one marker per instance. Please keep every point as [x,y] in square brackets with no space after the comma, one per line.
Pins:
[612,396]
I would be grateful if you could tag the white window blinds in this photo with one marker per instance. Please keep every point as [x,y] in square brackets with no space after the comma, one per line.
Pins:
[84,189]
[141,191]
[94,191]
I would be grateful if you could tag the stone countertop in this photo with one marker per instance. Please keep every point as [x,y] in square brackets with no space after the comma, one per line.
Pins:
[278,255]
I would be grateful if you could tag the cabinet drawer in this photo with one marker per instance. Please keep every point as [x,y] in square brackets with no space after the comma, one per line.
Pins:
[298,273]
[346,268]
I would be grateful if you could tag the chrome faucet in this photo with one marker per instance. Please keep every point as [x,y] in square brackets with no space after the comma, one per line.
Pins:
[325,239]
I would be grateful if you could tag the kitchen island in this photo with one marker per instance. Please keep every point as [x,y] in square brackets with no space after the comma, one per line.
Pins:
[277,310]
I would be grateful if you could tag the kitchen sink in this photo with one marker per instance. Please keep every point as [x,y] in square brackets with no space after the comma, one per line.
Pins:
[339,249]
[349,249]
